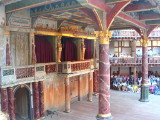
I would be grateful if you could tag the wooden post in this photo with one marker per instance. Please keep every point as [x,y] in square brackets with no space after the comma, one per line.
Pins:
[67,95]
[90,86]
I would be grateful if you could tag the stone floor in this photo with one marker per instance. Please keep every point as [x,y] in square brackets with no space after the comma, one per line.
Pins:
[124,106]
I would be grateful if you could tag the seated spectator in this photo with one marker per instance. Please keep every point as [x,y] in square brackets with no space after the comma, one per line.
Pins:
[124,85]
[151,89]
[129,88]
[156,89]
[135,88]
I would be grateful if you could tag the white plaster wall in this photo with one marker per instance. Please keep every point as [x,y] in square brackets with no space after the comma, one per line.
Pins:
[2,40]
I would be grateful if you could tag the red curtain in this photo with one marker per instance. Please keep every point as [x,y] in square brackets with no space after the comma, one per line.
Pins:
[43,49]
[69,50]
[88,52]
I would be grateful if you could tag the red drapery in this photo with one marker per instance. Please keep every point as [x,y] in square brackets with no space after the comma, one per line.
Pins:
[44,50]
[69,50]
[88,52]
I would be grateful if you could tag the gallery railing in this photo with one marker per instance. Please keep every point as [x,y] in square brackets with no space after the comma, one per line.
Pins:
[32,73]
[133,60]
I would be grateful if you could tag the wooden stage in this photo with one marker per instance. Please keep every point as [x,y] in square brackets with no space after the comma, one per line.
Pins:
[124,106]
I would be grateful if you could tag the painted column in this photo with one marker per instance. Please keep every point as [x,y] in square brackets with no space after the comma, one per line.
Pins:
[11,101]
[4,100]
[7,38]
[67,95]
[90,83]
[144,86]
[135,59]
[41,99]
[95,82]
[36,101]
[83,49]
[104,76]
[135,76]
[79,88]
[59,48]
[33,54]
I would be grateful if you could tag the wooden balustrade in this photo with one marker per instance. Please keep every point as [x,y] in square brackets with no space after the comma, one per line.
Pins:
[131,60]
[25,72]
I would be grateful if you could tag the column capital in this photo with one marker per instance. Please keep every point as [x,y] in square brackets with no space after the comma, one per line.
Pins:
[6,32]
[32,34]
[104,36]
[144,42]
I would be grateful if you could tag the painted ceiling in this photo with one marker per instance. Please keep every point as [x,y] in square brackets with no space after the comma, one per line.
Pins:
[139,13]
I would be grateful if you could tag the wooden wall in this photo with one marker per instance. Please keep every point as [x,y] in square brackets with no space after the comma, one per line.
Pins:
[54,89]
[54,92]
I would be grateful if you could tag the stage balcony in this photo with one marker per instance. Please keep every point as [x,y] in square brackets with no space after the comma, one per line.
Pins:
[133,62]
[33,73]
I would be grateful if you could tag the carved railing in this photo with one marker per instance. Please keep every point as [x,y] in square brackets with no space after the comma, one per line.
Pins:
[26,74]
[71,67]
[132,60]
[132,34]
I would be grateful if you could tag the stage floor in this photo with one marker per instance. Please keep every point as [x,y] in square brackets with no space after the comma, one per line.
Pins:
[124,106]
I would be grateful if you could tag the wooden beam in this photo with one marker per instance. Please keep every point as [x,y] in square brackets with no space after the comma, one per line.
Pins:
[153,22]
[114,12]
[145,6]
[91,15]
[25,4]
[154,16]
[151,28]
[101,5]
[116,1]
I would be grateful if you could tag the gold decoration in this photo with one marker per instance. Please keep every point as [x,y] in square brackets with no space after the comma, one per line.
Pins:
[83,49]
[104,115]
[59,48]
[31,34]
[104,36]
[144,42]
[6,32]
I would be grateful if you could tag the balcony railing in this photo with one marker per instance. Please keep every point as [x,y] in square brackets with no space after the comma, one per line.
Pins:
[133,61]
[25,74]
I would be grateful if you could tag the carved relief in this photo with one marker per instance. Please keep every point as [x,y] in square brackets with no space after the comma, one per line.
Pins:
[104,36]
[83,49]
[59,48]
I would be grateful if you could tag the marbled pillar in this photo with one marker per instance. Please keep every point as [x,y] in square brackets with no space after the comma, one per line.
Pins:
[90,86]
[95,82]
[67,95]
[11,101]
[7,38]
[33,54]
[41,99]
[4,100]
[144,87]
[104,77]
[36,100]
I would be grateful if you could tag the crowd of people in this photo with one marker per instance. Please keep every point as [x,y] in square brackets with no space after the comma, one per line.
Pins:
[126,82]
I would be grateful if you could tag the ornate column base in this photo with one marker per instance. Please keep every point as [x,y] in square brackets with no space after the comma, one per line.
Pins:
[144,93]
[104,116]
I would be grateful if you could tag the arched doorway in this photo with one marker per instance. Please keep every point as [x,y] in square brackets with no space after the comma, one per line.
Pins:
[22,104]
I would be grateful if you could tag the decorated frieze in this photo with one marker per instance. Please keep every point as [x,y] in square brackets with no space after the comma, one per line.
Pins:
[68,31]
[6,2]
[19,21]
[45,25]
[54,7]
